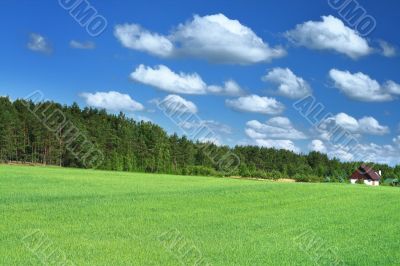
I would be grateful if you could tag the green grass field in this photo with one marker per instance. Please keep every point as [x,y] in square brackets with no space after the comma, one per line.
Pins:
[112,218]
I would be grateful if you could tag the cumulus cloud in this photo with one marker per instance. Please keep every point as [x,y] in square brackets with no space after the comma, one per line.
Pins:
[372,152]
[369,125]
[342,153]
[39,43]
[112,101]
[317,145]
[214,140]
[176,103]
[256,104]
[289,85]
[348,147]
[275,128]
[392,87]
[88,45]
[396,141]
[366,125]
[351,151]
[361,87]
[163,78]
[230,88]
[367,152]
[280,144]
[330,34]
[387,49]
[133,36]
[277,132]
[215,38]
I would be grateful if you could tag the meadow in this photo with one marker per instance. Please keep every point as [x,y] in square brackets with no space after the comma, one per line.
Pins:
[87,217]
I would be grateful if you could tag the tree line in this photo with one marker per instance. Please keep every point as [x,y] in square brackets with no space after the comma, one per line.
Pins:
[129,145]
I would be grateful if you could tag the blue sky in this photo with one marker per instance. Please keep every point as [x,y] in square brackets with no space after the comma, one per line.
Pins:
[271,53]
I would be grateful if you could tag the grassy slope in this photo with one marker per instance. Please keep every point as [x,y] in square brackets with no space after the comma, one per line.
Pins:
[98,217]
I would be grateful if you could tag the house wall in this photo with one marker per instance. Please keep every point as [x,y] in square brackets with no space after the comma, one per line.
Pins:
[367,182]
[371,182]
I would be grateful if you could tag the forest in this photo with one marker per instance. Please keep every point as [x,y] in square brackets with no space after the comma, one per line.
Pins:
[31,133]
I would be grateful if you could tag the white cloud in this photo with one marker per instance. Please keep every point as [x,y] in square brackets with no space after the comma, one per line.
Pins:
[317,145]
[396,140]
[349,147]
[256,104]
[277,132]
[357,151]
[211,124]
[367,152]
[341,152]
[112,101]
[230,88]
[372,152]
[369,125]
[163,78]
[360,86]
[253,134]
[88,45]
[135,37]
[282,144]
[349,151]
[366,125]
[215,38]
[392,87]
[214,140]
[330,34]
[274,128]
[387,49]
[289,85]
[178,104]
[39,43]
[345,121]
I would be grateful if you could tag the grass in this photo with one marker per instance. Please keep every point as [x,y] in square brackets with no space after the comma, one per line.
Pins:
[114,218]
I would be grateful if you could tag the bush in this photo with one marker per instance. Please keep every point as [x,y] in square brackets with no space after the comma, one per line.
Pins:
[307,178]
[327,179]
[202,171]
[274,174]
[258,174]
[300,177]
[244,171]
[391,182]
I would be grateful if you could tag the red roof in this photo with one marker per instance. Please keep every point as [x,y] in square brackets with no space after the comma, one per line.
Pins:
[365,172]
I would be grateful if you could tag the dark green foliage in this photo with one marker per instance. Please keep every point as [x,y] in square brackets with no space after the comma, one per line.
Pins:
[201,171]
[129,145]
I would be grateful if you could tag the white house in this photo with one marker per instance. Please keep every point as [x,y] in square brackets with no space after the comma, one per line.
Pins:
[367,175]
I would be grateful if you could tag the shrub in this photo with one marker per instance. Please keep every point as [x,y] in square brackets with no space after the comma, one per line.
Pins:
[274,174]
[258,174]
[300,177]
[202,171]
[327,179]
[307,178]
[244,171]
[391,182]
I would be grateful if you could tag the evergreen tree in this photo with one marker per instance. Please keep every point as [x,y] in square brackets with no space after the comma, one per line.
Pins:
[33,133]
